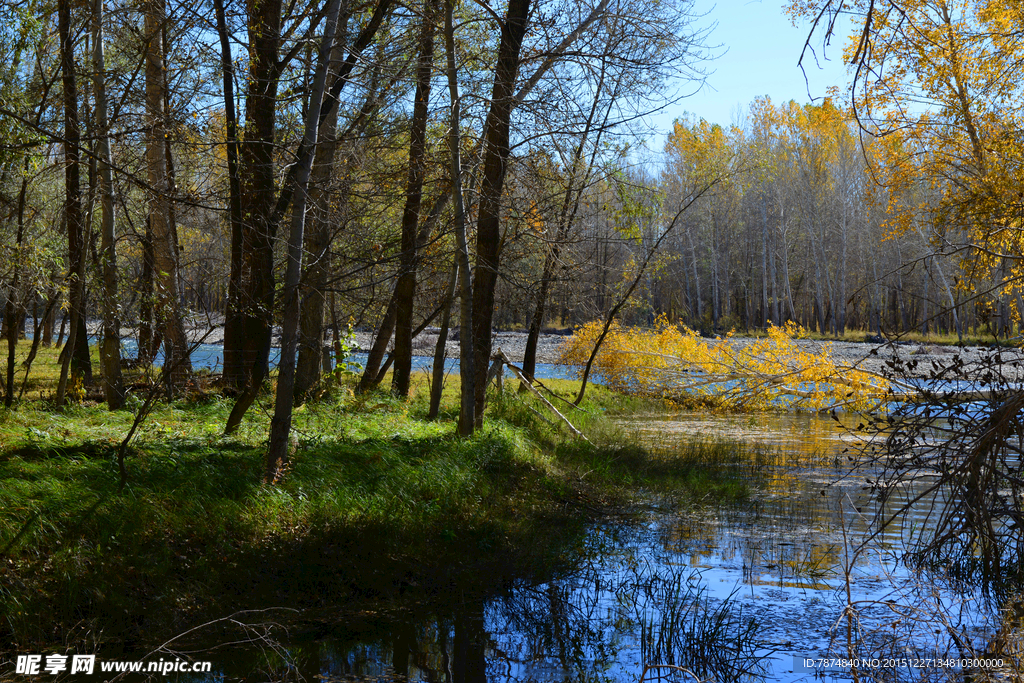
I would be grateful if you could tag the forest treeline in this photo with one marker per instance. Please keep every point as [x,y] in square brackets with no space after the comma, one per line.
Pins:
[313,165]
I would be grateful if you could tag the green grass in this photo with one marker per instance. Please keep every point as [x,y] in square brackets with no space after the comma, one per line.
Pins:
[376,499]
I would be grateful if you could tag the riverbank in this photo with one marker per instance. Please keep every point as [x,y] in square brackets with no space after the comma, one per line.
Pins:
[378,502]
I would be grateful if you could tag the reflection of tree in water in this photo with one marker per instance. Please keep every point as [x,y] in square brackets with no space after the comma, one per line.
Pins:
[603,619]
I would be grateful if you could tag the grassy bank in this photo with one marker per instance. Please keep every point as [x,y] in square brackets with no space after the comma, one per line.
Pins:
[377,500]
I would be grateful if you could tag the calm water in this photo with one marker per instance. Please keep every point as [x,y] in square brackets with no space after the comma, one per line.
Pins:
[755,587]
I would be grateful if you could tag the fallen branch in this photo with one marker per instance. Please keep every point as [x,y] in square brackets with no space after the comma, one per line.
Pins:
[500,359]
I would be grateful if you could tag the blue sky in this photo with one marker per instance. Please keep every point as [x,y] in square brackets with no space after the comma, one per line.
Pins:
[759,51]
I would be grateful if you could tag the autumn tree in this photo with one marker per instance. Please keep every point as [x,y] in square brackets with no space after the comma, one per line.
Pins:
[939,82]
[942,76]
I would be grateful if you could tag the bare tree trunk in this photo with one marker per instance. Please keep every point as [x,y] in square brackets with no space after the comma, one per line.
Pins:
[167,309]
[110,344]
[281,423]
[318,238]
[261,213]
[234,184]
[467,402]
[13,308]
[495,158]
[405,288]
[72,362]
[247,333]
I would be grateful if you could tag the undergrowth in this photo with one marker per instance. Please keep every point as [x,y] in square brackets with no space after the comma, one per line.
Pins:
[376,499]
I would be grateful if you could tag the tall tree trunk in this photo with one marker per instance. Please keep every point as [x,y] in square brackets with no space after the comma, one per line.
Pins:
[495,158]
[110,344]
[73,362]
[261,213]
[281,423]
[405,288]
[231,342]
[248,323]
[318,238]
[12,308]
[467,402]
[167,305]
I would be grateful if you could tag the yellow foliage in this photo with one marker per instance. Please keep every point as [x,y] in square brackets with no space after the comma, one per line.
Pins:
[772,373]
[938,87]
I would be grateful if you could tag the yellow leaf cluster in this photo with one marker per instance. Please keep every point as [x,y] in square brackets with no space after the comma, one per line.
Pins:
[772,373]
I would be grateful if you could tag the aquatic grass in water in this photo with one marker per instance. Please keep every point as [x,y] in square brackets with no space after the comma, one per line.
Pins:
[681,625]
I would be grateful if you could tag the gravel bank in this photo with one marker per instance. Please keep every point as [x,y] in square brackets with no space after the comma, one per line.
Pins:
[512,343]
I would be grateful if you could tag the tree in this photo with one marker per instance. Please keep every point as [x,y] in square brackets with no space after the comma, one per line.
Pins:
[110,344]
[957,61]
[280,425]
[467,351]
[257,253]
[940,82]
[76,351]
[707,162]
[167,308]
[412,240]
[247,325]
[762,374]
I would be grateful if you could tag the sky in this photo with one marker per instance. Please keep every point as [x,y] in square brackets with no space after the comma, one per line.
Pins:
[759,50]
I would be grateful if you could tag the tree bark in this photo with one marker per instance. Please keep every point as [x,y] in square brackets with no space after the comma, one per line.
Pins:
[247,333]
[110,344]
[495,158]
[405,287]
[318,239]
[167,305]
[234,183]
[73,362]
[467,402]
[12,309]
[281,423]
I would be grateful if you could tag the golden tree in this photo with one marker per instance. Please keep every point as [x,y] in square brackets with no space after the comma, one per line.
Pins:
[940,82]
[771,373]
